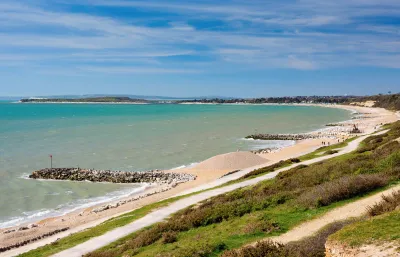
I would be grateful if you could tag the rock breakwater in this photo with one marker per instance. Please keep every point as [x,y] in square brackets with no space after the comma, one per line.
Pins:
[291,137]
[77,174]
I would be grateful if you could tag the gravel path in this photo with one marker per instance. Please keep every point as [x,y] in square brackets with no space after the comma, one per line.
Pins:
[161,214]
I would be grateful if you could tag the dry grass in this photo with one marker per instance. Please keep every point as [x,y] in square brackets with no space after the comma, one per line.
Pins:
[342,188]
[389,203]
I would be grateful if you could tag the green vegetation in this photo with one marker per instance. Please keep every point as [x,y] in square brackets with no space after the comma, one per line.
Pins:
[269,208]
[80,237]
[389,203]
[381,229]
[327,150]
[322,151]
[313,246]
[390,101]
[107,99]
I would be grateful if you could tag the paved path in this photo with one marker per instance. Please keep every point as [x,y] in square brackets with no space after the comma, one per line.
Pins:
[162,213]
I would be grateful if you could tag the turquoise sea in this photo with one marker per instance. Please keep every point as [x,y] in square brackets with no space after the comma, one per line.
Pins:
[124,137]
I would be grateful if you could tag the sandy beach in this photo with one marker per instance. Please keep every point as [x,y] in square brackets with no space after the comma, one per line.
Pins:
[367,120]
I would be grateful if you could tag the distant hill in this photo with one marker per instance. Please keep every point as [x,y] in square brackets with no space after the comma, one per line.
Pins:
[144,97]
[108,99]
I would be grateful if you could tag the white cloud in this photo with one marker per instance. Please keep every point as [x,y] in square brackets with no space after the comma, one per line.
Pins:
[296,63]
[298,44]
[136,70]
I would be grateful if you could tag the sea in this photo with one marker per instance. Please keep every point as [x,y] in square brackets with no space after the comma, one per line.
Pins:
[125,137]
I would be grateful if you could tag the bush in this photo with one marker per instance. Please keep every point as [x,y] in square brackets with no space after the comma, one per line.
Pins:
[263,248]
[267,169]
[259,226]
[200,250]
[389,203]
[341,189]
[314,246]
[169,237]
[330,152]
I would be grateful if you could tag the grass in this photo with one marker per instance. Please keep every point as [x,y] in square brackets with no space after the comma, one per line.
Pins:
[381,229]
[80,237]
[313,246]
[268,208]
[326,150]
[233,233]
[342,188]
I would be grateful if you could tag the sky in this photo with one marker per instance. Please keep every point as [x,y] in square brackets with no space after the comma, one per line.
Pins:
[237,48]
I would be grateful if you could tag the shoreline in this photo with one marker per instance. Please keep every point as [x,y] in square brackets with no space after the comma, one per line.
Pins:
[83,218]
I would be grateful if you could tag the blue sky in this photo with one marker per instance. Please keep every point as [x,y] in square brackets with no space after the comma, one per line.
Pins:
[199,48]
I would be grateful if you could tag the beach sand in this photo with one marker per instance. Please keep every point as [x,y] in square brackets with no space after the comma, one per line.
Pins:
[206,172]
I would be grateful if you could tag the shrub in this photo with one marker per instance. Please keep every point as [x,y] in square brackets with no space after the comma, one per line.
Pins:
[101,254]
[260,226]
[342,188]
[330,152]
[295,160]
[389,203]
[262,248]
[314,246]
[200,250]
[268,169]
[169,237]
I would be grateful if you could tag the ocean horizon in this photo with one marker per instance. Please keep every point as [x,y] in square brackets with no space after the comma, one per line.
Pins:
[125,137]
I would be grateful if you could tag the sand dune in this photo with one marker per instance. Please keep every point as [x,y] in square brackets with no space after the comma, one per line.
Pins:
[231,161]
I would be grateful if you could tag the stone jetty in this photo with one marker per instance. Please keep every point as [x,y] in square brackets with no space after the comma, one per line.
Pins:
[77,174]
[291,137]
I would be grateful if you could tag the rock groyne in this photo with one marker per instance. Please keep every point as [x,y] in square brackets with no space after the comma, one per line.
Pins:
[291,137]
[77,174]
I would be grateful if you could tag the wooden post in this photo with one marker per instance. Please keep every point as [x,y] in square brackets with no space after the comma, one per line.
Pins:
[51,161]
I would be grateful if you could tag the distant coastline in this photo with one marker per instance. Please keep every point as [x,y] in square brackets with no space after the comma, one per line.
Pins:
[112,100]
[390,102]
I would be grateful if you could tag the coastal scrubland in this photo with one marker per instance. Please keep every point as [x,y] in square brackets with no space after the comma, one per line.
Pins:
[378,233]
[230,221]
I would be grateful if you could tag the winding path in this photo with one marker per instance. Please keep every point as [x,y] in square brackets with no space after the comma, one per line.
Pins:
[351,210]
[162,213]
